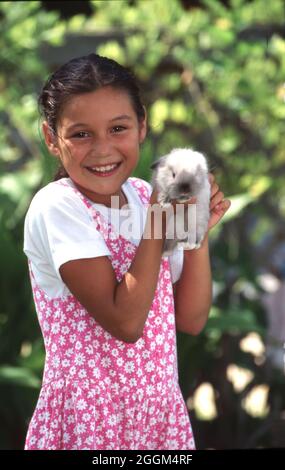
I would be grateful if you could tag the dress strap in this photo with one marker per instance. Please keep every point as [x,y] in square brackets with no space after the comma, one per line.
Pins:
[141,188]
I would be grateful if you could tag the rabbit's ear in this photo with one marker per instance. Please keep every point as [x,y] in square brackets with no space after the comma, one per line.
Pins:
[156,163]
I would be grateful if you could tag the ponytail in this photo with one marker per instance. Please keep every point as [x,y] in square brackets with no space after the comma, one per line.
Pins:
[60,173]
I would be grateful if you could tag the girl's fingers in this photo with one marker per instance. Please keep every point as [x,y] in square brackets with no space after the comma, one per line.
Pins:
[214,189]
[211,178]
[216,199]
[222,206]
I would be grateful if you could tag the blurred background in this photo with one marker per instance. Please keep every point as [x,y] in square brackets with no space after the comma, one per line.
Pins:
[212,75]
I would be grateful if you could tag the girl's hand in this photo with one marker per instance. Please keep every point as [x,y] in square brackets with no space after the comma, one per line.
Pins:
[218,205]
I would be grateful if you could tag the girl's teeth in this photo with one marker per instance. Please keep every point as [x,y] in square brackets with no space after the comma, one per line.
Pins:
[104,168]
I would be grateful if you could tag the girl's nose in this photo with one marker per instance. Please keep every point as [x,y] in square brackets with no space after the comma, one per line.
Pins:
[102,148]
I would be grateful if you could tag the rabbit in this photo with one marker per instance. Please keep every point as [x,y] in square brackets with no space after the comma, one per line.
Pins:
[180,175]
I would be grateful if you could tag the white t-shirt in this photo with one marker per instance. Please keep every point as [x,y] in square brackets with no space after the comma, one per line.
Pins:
[59,228]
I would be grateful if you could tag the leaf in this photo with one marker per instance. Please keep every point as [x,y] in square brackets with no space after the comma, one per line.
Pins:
[18,376]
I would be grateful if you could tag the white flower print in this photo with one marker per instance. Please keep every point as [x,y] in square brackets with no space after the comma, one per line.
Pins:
[79,359]
[96,373]
[70,307]
[99,381]
[72,338]
[62,340]
[91,363]
[81,326]
[170,319]
[66,437]
[150,366]
[120,361]
[78,345]
[86,417]
[158,321]
[81,404]
[110,434]
[55,361]
[112,420]
[106,362]
[130,352]
[145,354]
[129,367]
[54,348]
[65,363]
[65,330]
[82,373]
[159,339]
[133,382]
[81,428]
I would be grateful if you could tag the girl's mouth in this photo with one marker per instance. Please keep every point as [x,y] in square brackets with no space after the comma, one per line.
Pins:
[105,171]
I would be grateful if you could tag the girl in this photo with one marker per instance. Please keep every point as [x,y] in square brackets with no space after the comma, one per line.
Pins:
[105,302]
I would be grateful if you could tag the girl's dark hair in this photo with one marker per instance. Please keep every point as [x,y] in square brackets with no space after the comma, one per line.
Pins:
[83,75]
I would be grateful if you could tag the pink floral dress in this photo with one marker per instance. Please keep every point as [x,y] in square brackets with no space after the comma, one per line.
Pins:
[98,392]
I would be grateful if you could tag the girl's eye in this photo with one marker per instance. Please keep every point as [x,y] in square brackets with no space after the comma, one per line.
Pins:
[117,129]
[81,134]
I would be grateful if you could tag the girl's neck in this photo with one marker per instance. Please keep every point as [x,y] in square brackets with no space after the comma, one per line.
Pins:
[103,200]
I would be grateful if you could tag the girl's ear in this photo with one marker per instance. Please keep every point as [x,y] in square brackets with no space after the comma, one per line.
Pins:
[143,128]
[50,139]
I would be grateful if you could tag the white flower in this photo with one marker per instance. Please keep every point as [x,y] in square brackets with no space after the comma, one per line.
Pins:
[112,419]
[82,374]
[70,419]
[170,319]
[81,404]
[86,417]
[81,428]
[89,350]
[55,361]
[66,437]
[110,433]
[65,363]
[62,340]
[79,359]
[106,347]
[106,362]
[150,366]
[81,326]
[96,373]
[130,352]
[159,339]
[129,366]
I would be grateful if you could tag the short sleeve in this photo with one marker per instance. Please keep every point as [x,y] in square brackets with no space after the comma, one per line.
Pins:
[59,228]
[176,259]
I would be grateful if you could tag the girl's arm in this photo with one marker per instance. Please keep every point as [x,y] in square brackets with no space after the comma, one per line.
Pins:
[121,308]
[193,291]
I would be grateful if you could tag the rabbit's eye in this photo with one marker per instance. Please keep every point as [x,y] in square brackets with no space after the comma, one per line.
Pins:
[173,174]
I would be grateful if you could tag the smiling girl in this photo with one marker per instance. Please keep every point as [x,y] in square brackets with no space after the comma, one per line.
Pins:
[108,305]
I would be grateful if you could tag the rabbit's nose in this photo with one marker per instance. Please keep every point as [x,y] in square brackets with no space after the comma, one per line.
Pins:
[184,187]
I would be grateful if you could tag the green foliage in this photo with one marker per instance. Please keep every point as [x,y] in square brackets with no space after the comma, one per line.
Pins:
[211,78]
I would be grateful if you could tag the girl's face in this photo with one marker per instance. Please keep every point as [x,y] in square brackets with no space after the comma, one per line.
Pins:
[94,130]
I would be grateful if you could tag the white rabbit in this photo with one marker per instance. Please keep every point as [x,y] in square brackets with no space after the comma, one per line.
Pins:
[180,175]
